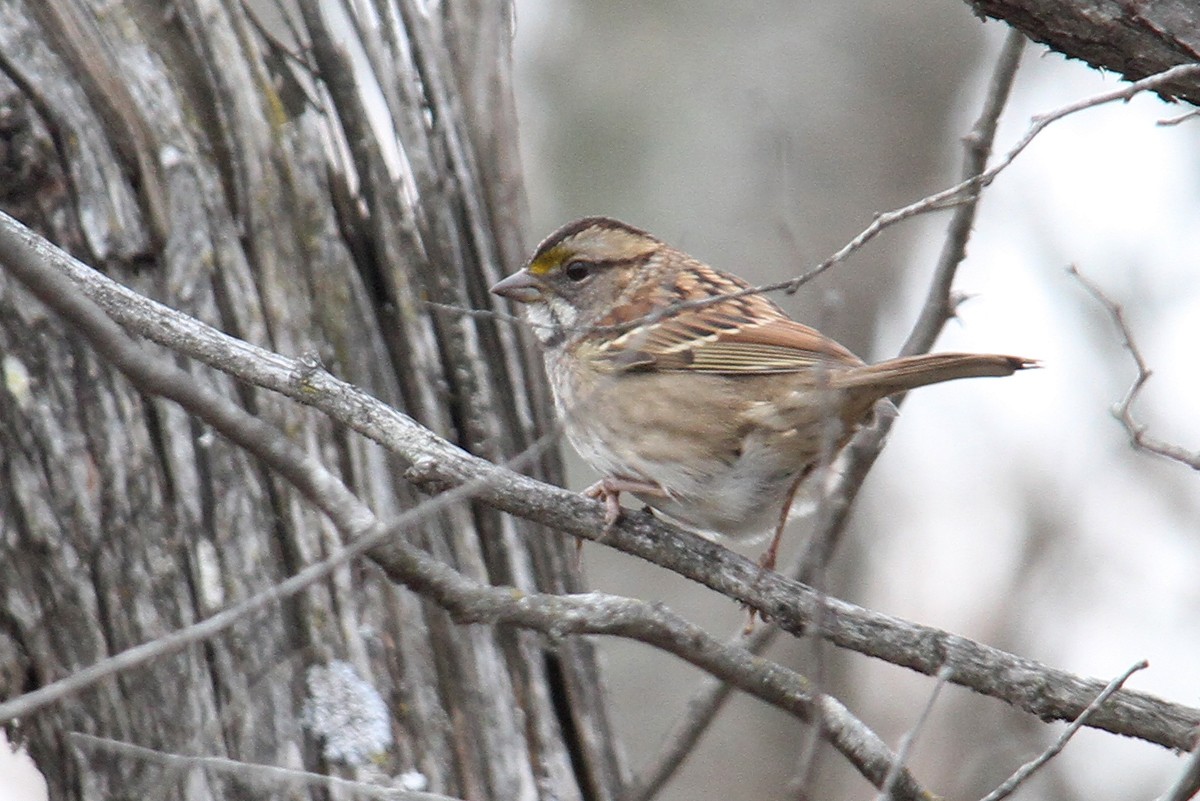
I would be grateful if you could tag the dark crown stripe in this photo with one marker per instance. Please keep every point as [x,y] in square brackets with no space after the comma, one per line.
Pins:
[580,225]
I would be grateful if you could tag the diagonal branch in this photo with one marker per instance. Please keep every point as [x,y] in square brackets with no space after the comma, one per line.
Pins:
[702,707]
[971,186]
[437,465]
[939,305]
[465,599]
[887,792]
[965,191]
[252,773]
[1010,785]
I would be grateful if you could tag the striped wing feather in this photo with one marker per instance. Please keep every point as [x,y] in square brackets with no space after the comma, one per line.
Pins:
[749,334]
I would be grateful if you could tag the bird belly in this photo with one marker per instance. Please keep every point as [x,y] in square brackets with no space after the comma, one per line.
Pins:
[736,500]
[721,468]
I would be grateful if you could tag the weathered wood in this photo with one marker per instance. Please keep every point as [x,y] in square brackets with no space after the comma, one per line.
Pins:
[186,154]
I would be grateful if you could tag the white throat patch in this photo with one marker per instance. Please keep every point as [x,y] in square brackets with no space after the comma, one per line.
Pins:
[551,320]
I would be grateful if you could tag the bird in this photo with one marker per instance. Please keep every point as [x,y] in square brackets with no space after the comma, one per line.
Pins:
[687,388]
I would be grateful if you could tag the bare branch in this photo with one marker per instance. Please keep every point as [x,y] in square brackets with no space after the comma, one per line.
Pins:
[1189,781]
[910,737]
[1182,118]
[595,613]
[1011,784]
[252,772]
[1123,411]
[939,306]
[437,465]
[860,455]
[965,192]
[1133,40]
[466,600]
[705,702]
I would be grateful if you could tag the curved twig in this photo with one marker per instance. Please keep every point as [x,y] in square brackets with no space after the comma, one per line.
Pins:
[1123,411]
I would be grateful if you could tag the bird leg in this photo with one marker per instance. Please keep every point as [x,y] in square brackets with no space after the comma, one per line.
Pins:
[608,490]
[767,560]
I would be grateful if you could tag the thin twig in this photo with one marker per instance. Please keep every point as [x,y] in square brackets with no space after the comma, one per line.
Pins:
[1010,785]
[706,700]
[253,772]
[1189,781]
[1173,121]
[963,192]
[1123,411]
[486,314]
[939,306]
[910,737]
[709,696]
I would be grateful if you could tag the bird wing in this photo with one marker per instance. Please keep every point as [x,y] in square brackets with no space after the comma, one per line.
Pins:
[691,329]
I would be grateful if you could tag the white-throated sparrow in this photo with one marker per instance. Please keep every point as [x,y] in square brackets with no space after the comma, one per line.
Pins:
[712,411]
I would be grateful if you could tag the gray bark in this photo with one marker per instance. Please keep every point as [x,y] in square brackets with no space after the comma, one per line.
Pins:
[182,152]
[1134,40]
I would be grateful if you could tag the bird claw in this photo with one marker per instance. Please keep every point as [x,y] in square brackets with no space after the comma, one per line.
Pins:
[609,489]
[606,491]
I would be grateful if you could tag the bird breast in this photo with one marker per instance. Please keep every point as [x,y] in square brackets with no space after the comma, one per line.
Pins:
[716,444]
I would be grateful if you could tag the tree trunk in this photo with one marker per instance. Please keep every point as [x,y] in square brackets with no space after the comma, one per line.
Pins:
[328,192]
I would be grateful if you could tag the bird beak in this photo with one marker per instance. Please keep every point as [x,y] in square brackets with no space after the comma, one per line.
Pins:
[521,287]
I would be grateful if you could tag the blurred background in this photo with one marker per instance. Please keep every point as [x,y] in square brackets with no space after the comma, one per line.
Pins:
[1010,511]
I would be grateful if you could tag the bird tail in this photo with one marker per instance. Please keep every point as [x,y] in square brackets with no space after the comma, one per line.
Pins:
[909,372]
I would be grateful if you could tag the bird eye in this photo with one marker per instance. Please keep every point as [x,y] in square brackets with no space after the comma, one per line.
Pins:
[577,270]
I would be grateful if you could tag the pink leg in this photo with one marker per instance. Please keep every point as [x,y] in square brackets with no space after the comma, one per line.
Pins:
[609,489]
[767,560]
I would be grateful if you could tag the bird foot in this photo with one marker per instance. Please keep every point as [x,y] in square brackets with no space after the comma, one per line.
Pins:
[766,562]
[609,489]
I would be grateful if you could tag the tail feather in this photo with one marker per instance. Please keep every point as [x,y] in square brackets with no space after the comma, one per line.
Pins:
[909,372]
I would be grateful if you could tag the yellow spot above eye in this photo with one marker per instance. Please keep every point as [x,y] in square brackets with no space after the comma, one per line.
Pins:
[547,261]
